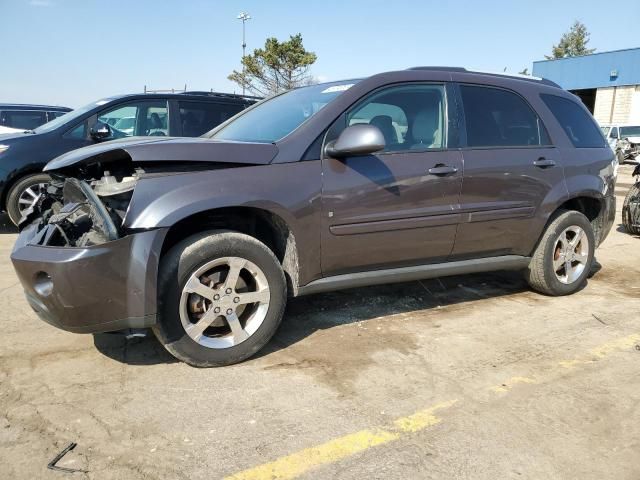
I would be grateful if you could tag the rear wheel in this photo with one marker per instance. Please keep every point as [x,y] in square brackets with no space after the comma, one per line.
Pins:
[221,298]
[24,193]
[562,260]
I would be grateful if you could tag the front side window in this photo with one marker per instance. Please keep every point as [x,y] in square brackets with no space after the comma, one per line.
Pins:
[579,126]
[198,118]
[500,118]
[145,118]
[614,133]
[410,117]
[275,118]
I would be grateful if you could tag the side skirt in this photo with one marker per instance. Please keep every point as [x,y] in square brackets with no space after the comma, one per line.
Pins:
[419,272]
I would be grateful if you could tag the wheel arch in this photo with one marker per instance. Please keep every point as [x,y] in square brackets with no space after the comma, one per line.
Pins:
[590,204]
[264,225]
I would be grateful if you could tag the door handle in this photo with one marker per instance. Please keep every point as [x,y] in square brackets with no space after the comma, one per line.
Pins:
[544,163]
[441,169]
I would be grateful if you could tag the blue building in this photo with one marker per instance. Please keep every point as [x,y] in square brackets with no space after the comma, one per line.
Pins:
[607,82]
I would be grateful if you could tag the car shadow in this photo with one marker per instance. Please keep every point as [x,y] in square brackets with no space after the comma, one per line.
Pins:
[306,315]
[136,351]
[621,228]
[6,226]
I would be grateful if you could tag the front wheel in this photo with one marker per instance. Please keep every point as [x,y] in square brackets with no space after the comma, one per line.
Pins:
[562,260]
[24,194]
[221,298]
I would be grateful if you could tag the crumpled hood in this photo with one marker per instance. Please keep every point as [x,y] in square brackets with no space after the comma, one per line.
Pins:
[163,149]
[633,139]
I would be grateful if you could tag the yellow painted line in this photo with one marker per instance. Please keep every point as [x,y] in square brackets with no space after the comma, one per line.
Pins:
[300,462]
[602,351]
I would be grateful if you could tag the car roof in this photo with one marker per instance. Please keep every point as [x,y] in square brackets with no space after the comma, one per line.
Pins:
[26,106]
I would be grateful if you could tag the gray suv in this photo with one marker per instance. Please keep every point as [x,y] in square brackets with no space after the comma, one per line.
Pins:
[404,175]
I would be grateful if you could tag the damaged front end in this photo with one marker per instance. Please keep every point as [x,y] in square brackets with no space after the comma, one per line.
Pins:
[78,212]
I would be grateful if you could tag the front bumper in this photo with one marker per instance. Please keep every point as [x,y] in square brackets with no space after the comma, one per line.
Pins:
[100,288]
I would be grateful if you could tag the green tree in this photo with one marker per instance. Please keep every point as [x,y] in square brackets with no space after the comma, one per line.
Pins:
[573,43]
[276,67]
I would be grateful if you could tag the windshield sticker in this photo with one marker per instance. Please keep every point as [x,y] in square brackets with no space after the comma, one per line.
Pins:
[338,88]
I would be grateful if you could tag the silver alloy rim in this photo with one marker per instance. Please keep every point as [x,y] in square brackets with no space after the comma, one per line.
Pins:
[570,254]
[30,195]
[224,302]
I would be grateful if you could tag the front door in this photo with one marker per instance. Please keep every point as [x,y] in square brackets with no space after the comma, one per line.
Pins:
[398,207]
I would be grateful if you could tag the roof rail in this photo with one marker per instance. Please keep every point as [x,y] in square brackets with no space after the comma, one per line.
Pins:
[166,90]
[437,69]
[219,94]
[530,78]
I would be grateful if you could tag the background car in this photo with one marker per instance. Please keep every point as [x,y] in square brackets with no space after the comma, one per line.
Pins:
[28,117]
[624,140]
[24,154]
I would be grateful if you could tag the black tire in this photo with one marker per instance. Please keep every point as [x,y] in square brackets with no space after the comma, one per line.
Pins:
[631,210]
[175,269]
[13,197]
[540,273]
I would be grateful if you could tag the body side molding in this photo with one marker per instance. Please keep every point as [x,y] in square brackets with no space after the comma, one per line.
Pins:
[419,272]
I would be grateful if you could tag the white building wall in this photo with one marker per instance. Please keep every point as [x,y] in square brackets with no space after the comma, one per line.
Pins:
[618,104]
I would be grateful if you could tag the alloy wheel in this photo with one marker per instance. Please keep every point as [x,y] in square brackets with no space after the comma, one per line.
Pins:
[570,254]
[224,302]
[30,195]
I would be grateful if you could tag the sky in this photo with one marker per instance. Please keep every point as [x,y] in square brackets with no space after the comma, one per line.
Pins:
[72,52]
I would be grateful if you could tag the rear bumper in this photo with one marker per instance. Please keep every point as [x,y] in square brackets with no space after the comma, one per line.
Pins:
[100,288]
[608,217]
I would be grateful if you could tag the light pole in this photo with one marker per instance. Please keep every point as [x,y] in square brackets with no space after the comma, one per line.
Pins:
[244,17]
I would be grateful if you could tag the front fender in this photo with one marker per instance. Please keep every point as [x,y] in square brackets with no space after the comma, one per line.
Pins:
[289,190]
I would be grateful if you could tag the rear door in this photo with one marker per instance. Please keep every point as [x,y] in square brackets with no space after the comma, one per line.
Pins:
[510,167]
[398,207]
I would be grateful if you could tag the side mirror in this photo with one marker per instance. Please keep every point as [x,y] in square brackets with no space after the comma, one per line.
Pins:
[359,139]
[100,131]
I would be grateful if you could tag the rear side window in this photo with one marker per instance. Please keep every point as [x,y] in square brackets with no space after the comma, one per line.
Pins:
[198,118]
[499,118]
[575,121]
[23,119]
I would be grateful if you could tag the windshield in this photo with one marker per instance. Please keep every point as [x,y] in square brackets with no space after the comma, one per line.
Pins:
[629,132]
[277,117]
[605,130]
[68,117]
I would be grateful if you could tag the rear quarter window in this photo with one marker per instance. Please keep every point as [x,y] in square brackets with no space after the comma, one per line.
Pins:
[577,124]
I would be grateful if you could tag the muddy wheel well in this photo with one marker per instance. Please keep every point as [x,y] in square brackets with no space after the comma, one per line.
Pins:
[263,225]
[590,207]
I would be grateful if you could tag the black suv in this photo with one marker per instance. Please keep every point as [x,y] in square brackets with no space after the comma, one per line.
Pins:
[23,155]
[28,117]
